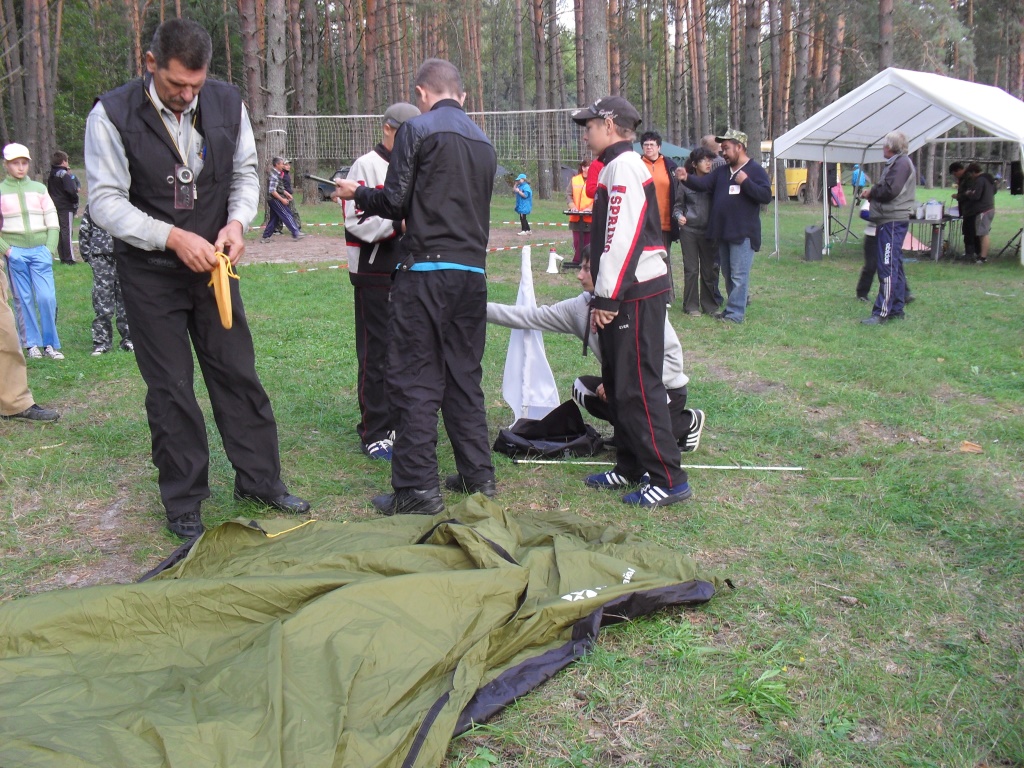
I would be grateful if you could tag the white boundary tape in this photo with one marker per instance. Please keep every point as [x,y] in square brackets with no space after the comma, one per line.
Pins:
[682,466]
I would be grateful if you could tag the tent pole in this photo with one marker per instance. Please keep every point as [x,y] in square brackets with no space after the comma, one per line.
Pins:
[856,200]
[775,180]
[824,204]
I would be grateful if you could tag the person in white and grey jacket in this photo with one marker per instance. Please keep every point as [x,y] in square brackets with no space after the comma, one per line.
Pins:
[631,285]
[572,316]
[374,252]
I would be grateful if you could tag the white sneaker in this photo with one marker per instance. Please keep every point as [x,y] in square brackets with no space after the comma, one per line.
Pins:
[53,354]
[34,353]
[97,351]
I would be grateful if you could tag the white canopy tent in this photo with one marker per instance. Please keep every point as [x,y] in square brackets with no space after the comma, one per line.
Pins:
[921,105]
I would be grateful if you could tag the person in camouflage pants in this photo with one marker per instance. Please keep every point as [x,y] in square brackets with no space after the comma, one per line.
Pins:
[97,249]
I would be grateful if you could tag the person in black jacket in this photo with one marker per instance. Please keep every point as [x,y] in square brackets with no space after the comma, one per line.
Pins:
[439,181]
[63,187]
[981,193]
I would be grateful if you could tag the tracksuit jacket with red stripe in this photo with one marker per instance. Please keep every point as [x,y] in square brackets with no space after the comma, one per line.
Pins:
[627,251]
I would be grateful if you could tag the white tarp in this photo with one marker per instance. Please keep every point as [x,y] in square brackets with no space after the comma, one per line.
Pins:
[921,105]
[528,385]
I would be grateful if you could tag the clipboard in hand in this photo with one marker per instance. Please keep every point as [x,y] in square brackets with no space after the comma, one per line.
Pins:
[222,288]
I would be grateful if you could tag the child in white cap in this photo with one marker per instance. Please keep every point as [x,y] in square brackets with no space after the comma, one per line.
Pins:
[28,239]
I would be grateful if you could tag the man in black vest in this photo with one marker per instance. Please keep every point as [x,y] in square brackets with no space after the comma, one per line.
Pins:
[171,164]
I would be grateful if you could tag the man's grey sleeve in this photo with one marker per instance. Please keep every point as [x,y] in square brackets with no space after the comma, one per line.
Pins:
[244,199]
[106,169]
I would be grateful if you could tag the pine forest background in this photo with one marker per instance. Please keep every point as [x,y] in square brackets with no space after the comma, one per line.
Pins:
[691,66]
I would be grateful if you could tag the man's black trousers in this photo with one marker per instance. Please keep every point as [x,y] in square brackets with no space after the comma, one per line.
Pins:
[171,312]
[436,343]
[371,321]
[633,352]
[64,252]
[584,392]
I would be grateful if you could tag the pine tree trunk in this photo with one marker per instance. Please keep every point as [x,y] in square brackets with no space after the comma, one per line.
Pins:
[645,71]
[540,83]
[596,81]
[802,61]
[353,98]
[371,38]
[736,24]
[885,19]
[699,32]
[520,66]
[614,52]
[679,90]
[751,124]
[581,58]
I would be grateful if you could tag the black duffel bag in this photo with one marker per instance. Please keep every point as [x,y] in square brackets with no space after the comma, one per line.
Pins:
[561,434]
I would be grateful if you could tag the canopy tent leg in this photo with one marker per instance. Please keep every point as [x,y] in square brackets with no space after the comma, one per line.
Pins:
[775,178]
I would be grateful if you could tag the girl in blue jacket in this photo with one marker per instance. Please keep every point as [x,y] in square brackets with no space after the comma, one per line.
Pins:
[524,202]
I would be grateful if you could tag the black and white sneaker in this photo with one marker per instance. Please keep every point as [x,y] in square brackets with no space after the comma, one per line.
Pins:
[653,496]
[609,480]
[692,439]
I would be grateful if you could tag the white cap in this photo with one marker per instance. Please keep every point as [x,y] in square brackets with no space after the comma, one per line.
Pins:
[14,151]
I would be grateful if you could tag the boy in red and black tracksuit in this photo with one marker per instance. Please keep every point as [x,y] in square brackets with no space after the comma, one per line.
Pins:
[631,284]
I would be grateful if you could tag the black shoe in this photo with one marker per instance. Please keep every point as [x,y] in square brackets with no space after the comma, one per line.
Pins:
[35,413]
[458,483]
[409,501]
[187,525]
[910,297]
[863,298]
[284,503]
[879,320]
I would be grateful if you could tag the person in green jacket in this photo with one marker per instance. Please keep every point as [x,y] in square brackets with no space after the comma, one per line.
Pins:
[28,239]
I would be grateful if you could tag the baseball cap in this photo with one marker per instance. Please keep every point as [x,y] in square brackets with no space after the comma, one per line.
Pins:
[615,107]
[14,151]
[521,177]
[733,135]
[399,112]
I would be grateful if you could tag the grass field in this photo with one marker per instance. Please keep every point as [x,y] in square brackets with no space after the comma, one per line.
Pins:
[877,616]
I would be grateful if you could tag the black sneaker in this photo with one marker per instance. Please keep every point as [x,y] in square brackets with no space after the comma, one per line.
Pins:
[459,484]
[35,413]
[692,439]
[409,501]
[187,525]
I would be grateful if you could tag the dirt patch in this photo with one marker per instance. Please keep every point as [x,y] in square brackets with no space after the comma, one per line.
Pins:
[744,381]
[327,244]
